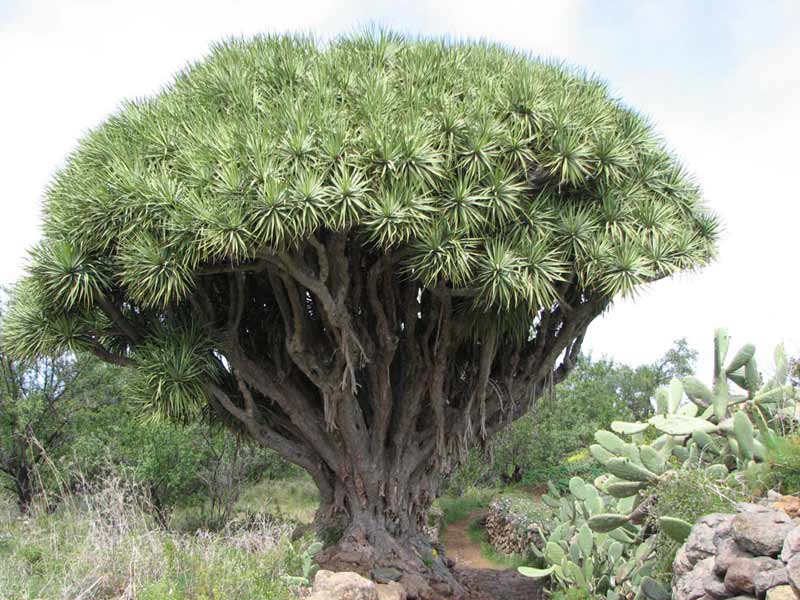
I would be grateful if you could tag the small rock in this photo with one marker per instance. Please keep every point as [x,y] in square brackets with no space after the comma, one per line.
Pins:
[741,574]
[782,592]
[770,579]
[749,507]
[343,586]
[791,545]
[788,504]
[391,591]
[386,574]
[761,533]
[728,551]
[721,523]
[700,543]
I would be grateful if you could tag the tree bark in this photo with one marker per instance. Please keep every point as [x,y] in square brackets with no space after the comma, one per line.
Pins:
[334,357]
[24,488]
[369,533]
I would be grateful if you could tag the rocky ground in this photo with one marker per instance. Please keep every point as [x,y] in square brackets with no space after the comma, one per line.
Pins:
[752,554]
[498,584]
[483,579]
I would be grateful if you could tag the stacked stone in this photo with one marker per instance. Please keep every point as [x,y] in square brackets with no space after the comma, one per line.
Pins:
[509,531]
[753,554]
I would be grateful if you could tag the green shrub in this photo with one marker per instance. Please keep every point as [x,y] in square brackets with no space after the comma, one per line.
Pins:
[784,461]
[579,464]
[688,495]
[456,508]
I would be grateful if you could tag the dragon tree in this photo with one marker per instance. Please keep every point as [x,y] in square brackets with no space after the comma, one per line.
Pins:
[367,255]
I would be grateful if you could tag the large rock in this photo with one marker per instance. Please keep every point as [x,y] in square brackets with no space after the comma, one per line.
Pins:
[343,586]
[793,573]
[770,579]
[762,533]
[706,534]
[715,587]
[791,545]
[682,564]
[728,551]
[391,591]
[693,584]
[748,507]
[782,592]
[741,574]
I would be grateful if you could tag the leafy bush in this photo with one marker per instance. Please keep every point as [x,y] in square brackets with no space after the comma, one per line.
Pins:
[177,466]
[784,462]
[687,495]
[571,594]
[579,464]
[458,507]
[533,449]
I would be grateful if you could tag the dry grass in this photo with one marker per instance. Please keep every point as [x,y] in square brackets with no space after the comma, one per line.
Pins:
[294,499]
[104,543]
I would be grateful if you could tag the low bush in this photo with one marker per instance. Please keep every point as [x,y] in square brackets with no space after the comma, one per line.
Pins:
[784,462]
[458,507]
[688,495]
[579,464]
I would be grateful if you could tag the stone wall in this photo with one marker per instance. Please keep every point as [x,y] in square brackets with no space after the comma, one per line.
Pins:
[512,525]
[754,553]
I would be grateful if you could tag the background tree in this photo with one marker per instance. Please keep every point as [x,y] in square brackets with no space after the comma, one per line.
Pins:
[595,394]
[366,255]
[39,400]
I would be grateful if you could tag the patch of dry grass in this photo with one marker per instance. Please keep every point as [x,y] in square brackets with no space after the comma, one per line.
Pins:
[294,499]
[104,543]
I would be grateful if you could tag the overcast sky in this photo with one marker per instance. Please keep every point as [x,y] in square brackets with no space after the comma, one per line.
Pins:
[719,78]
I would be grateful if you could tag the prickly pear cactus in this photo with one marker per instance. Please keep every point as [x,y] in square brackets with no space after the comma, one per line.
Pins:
[700,427]
[600,543]
[606,561]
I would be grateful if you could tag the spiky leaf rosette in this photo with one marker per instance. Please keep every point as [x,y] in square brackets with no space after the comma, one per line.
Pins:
[501,181]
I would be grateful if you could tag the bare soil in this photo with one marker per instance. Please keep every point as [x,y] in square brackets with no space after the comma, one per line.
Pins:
[463,550]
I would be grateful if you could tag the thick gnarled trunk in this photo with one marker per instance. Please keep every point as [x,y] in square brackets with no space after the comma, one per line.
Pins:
[377,530]
[376,385]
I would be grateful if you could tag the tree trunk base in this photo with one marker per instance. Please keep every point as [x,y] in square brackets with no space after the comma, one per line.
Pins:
[419,567]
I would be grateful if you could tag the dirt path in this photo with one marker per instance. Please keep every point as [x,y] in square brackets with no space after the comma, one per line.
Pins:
[463,550]
[484,579]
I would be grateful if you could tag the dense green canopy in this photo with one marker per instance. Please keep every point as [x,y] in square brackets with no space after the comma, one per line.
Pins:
[484,171]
